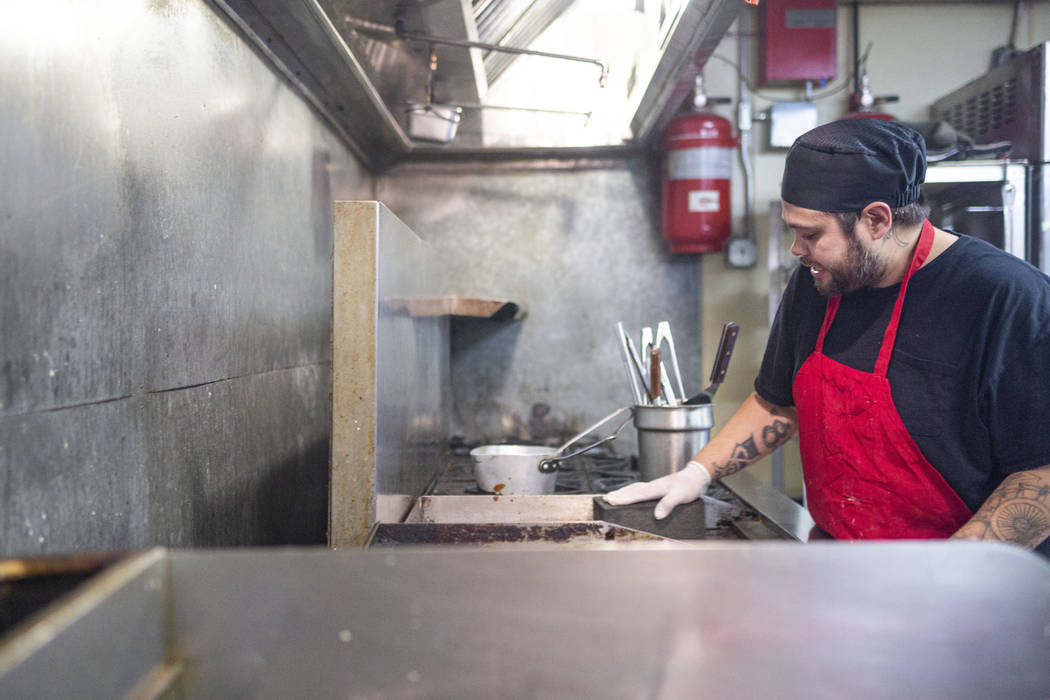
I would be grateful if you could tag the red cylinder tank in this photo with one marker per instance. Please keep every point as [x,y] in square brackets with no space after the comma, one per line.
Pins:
[698,151]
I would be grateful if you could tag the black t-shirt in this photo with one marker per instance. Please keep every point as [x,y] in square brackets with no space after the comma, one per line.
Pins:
[970,371]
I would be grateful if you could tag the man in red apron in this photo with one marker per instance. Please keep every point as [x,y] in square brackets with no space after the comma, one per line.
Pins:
[913,362]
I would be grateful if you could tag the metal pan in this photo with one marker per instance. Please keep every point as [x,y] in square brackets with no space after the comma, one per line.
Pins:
[530,469]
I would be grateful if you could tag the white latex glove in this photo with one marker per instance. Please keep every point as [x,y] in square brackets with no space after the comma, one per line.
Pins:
[683,486]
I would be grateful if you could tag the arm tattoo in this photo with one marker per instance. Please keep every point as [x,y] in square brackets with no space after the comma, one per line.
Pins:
[776,433]
[758,445]
[1018,511]
[744,453]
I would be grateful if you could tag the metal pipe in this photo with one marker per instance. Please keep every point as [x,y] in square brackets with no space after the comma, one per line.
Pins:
[524,109]
[399,31]
[744,126]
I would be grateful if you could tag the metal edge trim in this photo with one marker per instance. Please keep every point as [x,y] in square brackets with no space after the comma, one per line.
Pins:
[717,18]
[776,509]
[41,628]
[286,73]
[358,72]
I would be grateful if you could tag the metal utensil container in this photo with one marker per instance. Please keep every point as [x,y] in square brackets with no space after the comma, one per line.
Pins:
[669,436]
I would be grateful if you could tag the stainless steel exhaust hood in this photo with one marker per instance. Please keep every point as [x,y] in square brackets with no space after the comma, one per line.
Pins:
[371,71]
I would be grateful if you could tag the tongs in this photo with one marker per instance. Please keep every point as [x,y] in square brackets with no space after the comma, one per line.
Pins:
[718,372]
[663,334]
[647,376]
[549,465]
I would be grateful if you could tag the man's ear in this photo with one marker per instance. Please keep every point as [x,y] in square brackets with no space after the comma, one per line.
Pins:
[878,219]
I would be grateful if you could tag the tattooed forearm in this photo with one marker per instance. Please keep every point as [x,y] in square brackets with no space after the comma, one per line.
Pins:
[754,431]
[744,453]
[747,452]
[1018,511]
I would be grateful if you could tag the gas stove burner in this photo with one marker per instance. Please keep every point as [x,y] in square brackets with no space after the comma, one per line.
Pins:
[598,472]
[599,476]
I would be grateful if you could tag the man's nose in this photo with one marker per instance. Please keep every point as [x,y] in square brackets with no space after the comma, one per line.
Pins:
[796,247]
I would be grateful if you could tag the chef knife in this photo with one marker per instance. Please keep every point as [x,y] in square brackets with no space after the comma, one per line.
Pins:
[718,373]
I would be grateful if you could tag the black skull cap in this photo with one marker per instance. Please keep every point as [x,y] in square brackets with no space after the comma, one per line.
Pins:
[845,165]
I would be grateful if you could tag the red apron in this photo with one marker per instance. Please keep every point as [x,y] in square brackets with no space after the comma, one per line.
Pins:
[865,476]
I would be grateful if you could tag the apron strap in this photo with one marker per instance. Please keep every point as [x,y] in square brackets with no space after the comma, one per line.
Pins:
[922,251]
[829,317]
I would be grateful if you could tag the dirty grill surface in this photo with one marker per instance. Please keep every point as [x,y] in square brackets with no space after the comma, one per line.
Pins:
[600,471]
[561,534]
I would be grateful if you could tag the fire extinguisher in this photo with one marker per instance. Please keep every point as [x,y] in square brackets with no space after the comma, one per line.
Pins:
[698,150]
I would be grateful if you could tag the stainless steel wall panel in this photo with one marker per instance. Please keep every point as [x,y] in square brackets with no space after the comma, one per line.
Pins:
[221,474]
[66,243]
[74,479]
[580,249]
[165,222]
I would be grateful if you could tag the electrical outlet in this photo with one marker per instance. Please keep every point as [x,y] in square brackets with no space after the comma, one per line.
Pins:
[741,252]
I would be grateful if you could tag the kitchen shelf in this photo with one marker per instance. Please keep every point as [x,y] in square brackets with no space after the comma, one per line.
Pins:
[468,307]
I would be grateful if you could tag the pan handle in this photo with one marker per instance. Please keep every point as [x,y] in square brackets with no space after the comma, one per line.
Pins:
[550,464]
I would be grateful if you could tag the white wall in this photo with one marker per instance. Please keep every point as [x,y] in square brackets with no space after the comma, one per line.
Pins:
[919,53]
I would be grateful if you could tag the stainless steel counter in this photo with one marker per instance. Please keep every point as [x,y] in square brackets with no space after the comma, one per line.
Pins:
[741,620]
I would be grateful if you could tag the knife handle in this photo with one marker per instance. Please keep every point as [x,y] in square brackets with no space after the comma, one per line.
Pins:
[654,374]
[725,351]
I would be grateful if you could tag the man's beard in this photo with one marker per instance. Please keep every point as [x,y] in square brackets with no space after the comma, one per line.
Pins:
[863,268]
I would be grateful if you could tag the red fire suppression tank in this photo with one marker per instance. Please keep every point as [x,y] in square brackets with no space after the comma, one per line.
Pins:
[698,153]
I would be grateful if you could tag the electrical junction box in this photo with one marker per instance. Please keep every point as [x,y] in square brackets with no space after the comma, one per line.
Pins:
[800,40]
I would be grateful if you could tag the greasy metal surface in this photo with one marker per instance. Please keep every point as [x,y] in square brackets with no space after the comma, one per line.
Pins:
[825,621]
[302,42]
[502,509]
[172,467]
[256,469]
[720,514]
[390,369]
[576,534]
[399,67]
[165,222]
[75,479]
[580,249]
[99,641]
[701,26]
[778,511]
[360,82]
